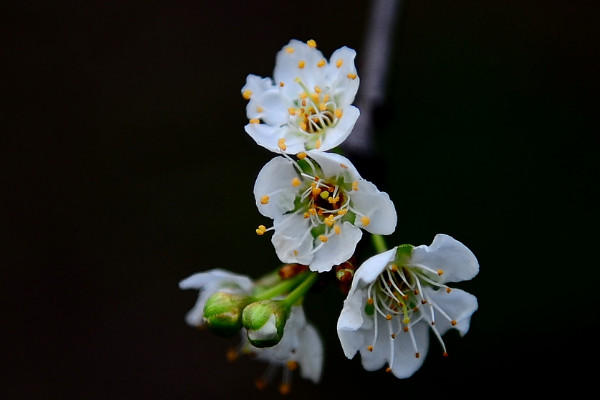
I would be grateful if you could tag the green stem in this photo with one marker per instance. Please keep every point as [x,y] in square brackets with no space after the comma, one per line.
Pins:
[379,243]
[301,290]
[284,286]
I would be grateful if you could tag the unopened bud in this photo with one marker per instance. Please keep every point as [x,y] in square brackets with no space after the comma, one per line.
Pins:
[223,313]
[265,321]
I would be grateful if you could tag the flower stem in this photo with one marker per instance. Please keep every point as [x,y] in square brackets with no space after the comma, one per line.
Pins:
[282,287]
[379,243]
[302,288]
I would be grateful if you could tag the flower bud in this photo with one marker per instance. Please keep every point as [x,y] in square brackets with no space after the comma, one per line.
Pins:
[223,313]
[265,321]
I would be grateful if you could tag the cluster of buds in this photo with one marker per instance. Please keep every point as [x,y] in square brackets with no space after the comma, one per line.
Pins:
[320,206]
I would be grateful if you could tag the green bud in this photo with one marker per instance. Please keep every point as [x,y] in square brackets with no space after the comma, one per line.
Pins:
[265,320]
[223,313]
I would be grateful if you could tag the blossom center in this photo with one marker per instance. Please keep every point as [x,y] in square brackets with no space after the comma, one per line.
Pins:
[315,110]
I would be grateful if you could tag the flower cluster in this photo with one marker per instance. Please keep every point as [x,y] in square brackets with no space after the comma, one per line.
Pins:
[319,206]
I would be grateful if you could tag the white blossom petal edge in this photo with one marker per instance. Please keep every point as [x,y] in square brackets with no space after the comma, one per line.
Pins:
[319,205]
[308,104]
[301,345]
[208,283]
[397,295]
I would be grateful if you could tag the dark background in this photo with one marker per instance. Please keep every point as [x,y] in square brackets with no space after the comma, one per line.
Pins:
[126,168]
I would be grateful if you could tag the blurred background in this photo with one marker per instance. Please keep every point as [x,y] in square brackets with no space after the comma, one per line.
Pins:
[126,168]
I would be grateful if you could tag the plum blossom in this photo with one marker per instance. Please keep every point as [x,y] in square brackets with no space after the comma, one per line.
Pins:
[399,295]
[319,205]
[308,102]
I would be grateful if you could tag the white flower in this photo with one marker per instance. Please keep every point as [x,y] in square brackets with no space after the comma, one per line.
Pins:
[307,105]
[210,282]
[301,347]
[319,204]
[396,296]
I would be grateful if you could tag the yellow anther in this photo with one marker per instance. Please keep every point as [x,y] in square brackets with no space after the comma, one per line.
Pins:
[301,156]
[303,126]
[370,348]
[281,144]
[301,64]
[315,96]
[317,89]
[303,95]
[232,355]
[352,76]
[289,50]
[292,111]
[365,220]
[388,369]
[453,322]
[295,252]
[394,268]
[259,109]
[323,238]
[311,43]
[337,229]
[333,200]
[338,113]
[318,143]
[324,195]
[255,121]
[264,199]
[339,62]
[355,185]
[247,93]
[296,182]
[321,63]
[448,290]
[343,166]
[405,329]
[260,384]
[292,365]
[285,389]
[322,106]
[388,317]
[342,211]
[306,215]
[370,301]
[304,104]
[326,97]
[316,191]
[329,220]
[440,272]
[406,320]
[281,84]
[261,229]
[312,211]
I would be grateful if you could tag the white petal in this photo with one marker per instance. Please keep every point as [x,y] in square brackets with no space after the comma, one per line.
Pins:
[274,108]
[265,135]
[257,85]
[334,164]
[287,68]
[458,305]
[449,255]
[346,88]
[354,326]
[405,362]
[377,206]
[275,180]
[338,249]
[292,239]
[336,135]
[372,268]
[310,355]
